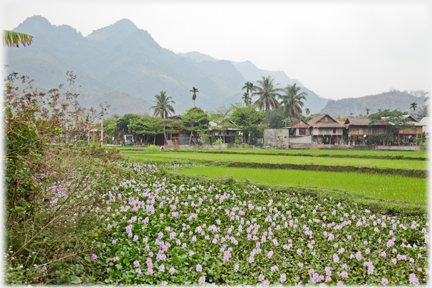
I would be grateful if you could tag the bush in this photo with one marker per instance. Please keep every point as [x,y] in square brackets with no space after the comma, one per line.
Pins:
[53,199]
[423,146]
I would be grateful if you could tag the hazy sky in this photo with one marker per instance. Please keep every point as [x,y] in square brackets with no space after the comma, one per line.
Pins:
[338,49]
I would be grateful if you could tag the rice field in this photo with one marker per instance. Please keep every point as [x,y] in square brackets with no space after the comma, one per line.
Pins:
[388,187]
[274,159]
[405,154]
[363,153]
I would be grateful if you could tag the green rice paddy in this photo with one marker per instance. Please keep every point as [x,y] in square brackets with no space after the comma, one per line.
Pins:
[388,187]
[275,159]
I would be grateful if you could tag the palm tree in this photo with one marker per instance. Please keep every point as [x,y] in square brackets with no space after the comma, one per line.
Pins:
[13,39]
[163,105]
[413,105]
[267,95]
[292,100]
[367,111]
[246,98]
[249,88]
[194,90]
[307,111]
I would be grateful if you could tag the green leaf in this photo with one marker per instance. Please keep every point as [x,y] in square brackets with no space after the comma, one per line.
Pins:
[75,280]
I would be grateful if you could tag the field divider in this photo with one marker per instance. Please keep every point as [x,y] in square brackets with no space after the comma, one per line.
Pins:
[399,157]
[367,170]
[384,171]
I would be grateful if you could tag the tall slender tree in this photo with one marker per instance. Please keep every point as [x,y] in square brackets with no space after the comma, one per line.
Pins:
[292,100]
[163,105]
[267,93]
[246,98]
[413,106]
[194,91]
[249,89]
[307,111]
[367,111]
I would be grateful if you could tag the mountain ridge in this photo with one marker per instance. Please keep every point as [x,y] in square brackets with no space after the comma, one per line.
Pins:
[123,58]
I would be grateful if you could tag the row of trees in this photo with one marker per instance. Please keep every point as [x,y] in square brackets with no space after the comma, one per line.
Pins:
[291,99]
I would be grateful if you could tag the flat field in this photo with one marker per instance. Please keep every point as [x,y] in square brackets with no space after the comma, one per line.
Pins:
[388,187]
[344,153]
[275,159]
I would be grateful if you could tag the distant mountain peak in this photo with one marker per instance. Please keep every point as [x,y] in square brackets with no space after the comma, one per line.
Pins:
[125,24]
[35,21]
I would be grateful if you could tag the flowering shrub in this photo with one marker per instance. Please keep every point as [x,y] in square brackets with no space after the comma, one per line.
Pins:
[178,231]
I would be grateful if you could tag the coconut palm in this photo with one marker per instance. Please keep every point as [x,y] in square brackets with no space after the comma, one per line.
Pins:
[292,100]
[249,88]
[367,111]
[307,111]
[194,91]
[163,105]
[413,105]
[267,95]
[13,39]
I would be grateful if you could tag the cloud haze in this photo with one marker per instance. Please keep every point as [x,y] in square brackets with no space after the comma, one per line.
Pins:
[336,49]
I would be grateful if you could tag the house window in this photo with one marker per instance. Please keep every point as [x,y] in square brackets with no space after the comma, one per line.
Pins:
[334,131]
[302,131]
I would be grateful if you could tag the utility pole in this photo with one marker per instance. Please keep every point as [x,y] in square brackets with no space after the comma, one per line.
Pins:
[102,129]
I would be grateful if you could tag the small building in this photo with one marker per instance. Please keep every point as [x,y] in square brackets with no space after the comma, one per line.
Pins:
[409,135]
[359,127]
[299,132]
[227,134]
[324,129]
[276,138]
[425,128]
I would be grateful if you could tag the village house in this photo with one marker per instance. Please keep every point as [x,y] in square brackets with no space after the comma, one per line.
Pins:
[324,129]
[299,132]
[227,134]
[359,127]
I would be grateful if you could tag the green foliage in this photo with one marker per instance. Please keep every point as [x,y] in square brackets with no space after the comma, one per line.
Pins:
[163,105]
[423,146]
[218,141]
[292,100]
[383,137]
[277,119]
[51,214]
[247,119]
[194,120]
[124,122]
[267,93]
[395,117]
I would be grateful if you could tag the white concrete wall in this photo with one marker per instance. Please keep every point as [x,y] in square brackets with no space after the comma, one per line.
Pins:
[301,140]
[276,138]
[400,148]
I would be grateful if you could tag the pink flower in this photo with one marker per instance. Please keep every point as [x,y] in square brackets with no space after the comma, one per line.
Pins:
[115,259]
[172,270]
[266,283]
[236,268]
[283,277]
[201,280]
[162,268]
[138,271]
[339,283]
[136,263]
[93,257]
[198,268]
[114,242]
[384,281]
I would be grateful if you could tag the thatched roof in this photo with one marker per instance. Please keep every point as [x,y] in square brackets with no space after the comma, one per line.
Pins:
[316,122]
